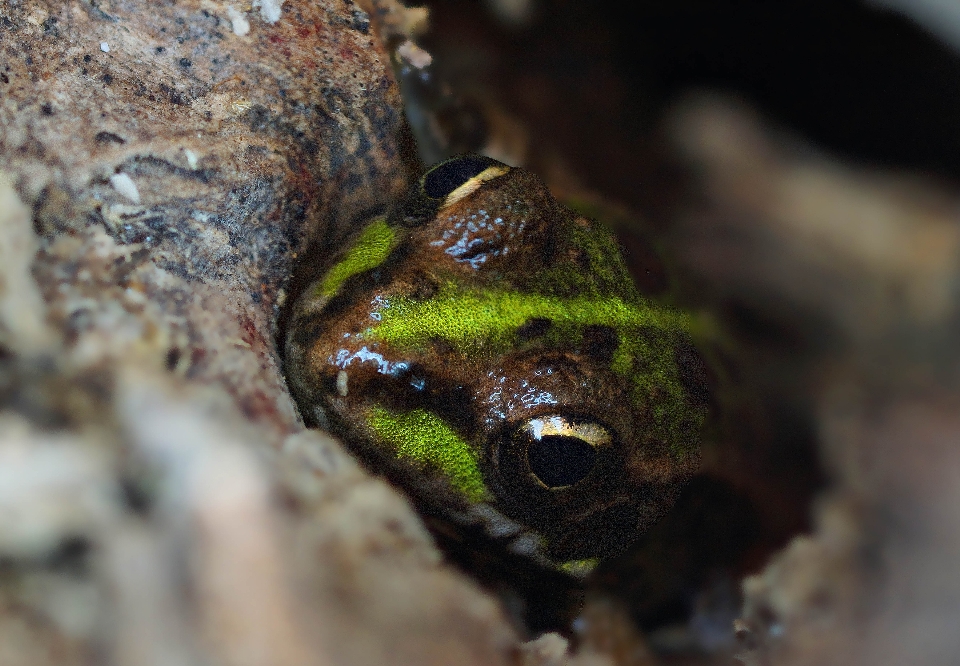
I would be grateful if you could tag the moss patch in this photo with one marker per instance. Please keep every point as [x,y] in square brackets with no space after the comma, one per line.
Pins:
[370,250]
[427,439]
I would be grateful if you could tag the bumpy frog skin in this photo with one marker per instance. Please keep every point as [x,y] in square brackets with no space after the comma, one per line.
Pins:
[486,335]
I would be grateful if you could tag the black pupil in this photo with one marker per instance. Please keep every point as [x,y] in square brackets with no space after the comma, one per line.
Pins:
[447,177]
[560,460]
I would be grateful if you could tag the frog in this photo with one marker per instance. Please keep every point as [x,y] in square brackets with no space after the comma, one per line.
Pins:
[490,343]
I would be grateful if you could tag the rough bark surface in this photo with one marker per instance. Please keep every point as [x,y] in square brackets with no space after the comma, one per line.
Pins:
[162,167]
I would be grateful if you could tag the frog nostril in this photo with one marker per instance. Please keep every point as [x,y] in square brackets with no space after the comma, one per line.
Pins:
[560,460]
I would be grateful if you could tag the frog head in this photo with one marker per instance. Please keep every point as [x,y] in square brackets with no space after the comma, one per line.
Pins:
[485,335]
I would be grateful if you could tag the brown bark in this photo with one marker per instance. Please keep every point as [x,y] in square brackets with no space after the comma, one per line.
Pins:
[164,167]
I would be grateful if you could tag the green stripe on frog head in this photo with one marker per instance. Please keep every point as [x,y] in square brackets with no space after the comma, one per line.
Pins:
[425,438]
[492,318]
[478,322]
[371,249]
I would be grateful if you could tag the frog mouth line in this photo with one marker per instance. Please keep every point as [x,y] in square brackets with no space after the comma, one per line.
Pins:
[598,531]
[589,513]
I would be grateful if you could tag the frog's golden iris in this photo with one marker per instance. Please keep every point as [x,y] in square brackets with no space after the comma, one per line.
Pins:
[486,335]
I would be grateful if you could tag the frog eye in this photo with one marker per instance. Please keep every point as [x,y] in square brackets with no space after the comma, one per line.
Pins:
[562,452]
[443,185]
[447,176]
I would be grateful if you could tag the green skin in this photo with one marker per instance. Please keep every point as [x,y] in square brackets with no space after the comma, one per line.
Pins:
[436,337]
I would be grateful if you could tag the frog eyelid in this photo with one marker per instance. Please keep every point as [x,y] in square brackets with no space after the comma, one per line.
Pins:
[590,432]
